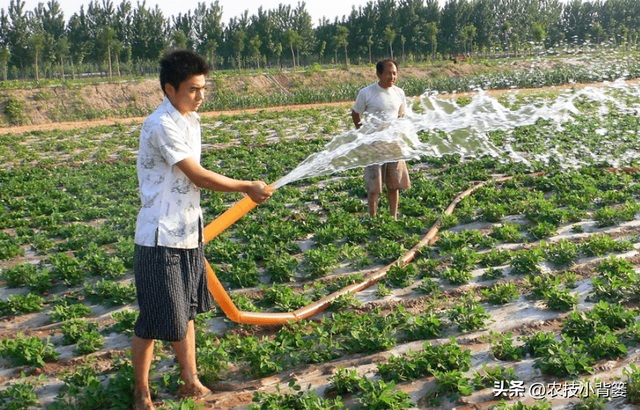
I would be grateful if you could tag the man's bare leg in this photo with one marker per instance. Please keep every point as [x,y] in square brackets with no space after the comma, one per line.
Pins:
[186,356]
[372,199]
[142,356]
[393,197]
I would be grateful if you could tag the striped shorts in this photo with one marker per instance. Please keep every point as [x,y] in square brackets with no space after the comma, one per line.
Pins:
[172,287]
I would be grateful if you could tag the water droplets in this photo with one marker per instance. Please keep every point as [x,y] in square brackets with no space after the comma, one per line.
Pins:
[442,126]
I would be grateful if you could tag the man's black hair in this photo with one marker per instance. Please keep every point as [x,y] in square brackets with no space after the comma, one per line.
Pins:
[382,63]
[178,66]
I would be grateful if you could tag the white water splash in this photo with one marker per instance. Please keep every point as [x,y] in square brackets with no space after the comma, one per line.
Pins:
[453,129]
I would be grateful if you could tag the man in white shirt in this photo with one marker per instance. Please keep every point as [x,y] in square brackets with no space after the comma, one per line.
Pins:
[169,266]
[383,101]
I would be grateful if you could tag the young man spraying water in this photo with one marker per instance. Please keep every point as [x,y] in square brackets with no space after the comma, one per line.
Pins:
[382,102]
[169,264]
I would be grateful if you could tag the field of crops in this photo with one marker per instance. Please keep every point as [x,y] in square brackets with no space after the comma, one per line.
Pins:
[527,300]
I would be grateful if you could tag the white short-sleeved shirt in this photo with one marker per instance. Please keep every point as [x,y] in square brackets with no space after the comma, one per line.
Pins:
[170,215]
[383,103]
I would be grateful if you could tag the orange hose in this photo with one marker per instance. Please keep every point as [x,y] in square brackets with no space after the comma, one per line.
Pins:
[257,318]
[214,229]
[228,218]
[232,312]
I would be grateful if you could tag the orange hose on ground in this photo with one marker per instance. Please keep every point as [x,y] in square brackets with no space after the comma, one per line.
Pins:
[232,312]
[256,318]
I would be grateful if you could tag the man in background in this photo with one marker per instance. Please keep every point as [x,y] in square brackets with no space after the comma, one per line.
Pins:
[383,101]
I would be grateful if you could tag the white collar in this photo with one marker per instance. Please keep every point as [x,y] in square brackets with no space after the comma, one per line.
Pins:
[180,120]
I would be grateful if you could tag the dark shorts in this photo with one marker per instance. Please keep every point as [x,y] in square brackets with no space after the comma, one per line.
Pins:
[172,288]
[392,174]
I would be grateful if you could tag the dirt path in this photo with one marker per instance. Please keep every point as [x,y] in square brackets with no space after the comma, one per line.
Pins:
[110,121]
[212,114]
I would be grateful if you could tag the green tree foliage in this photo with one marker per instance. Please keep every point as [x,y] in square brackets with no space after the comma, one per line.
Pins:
[341,40]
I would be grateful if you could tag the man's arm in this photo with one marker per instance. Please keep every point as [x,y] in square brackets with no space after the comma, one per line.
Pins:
[357,121]
[258,191]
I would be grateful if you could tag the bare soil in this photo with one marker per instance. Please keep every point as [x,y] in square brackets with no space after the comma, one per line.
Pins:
[103,102]
[69,125]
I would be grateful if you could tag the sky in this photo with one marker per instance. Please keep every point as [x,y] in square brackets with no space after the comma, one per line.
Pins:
[230,8]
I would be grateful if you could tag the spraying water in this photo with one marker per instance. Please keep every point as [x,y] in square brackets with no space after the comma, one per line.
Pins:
[448,128]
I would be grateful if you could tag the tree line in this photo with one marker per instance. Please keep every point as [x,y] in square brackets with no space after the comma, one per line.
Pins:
[122,39]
